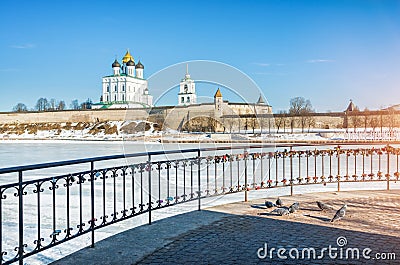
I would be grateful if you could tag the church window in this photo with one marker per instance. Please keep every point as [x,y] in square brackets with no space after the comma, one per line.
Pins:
[115,97]
[108,88]
[188,99]
[115,87]
[123,87]
[182,100]
[185,89]
[123,97]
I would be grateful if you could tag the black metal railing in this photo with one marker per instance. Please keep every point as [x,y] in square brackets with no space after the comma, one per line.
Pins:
[47,211]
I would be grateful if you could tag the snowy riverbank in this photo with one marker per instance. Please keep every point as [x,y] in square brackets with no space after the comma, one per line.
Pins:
[148,132]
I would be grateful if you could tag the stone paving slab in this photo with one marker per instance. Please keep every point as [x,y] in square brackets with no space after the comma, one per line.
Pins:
[234,233]
[372,221]
[237,239]
[367,211]
[130,246]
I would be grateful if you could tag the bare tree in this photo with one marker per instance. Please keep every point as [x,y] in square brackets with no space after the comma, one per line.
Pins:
[309,121]
[374,122]
[75,104]
[286,122]
[61,105]
[307,118]
[231,123]
[52,104]
[390,119]
[253,123]
[356,120]
[296,105]
[280,119]
[20,107]
[301,108]
[270,123]
[42,104]
[292,120]
[367,117]
[262,122]
[246,125]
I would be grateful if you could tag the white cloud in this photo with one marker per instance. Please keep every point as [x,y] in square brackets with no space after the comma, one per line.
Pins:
[262,64]
[23,46]
[320,61]
[267,73]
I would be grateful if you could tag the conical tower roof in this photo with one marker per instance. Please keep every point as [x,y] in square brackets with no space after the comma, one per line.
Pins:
[351,106]
[260,100]
[218,94]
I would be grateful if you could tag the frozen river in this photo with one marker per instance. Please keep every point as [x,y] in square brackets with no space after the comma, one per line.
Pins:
[23,153]
[15,153]
[35,152]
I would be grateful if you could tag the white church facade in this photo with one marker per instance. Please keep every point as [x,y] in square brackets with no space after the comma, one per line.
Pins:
[126,87]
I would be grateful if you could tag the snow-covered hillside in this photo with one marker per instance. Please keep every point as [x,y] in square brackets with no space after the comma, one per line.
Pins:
[111,130]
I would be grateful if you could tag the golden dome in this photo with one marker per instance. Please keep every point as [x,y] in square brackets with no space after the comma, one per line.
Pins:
[127,57]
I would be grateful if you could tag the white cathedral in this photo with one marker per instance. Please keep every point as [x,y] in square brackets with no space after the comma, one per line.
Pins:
[126,87]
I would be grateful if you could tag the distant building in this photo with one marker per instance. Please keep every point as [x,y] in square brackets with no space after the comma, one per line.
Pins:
[351,107]
[225,113]
[218,103]
[126,87]
[187,90]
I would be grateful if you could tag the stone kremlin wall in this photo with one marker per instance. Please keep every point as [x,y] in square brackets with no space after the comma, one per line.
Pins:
[176,117]
[73,116]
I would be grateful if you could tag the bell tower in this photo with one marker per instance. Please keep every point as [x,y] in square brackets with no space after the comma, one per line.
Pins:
[218,103]
[187,90]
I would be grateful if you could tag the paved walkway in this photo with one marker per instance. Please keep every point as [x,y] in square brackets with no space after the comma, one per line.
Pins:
[234,233]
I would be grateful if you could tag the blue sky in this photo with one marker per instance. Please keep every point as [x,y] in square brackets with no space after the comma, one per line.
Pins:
[326,51]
